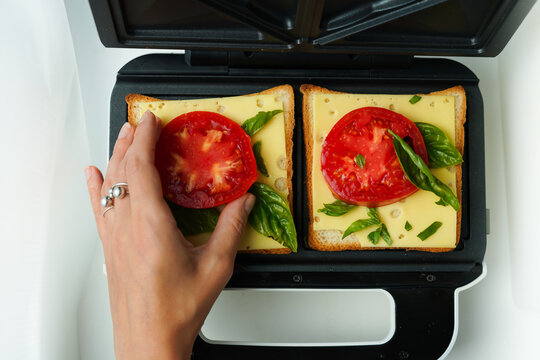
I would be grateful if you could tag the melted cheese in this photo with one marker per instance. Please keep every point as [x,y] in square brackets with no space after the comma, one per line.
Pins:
[420,208]
[272,136]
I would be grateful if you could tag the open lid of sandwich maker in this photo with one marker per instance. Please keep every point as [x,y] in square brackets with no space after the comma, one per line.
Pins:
[236,47]
[406,27]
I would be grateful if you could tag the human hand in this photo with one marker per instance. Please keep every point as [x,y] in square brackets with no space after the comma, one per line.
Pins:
[161,287]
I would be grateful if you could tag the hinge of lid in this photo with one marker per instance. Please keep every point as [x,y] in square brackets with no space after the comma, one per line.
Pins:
[295,60]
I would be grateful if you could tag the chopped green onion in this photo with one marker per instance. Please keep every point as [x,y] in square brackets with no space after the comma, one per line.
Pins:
[430,230]
[408,226]
[415,99]
[360,161]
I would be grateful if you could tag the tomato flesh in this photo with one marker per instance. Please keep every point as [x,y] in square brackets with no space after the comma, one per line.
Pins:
[204,160]
[364,131]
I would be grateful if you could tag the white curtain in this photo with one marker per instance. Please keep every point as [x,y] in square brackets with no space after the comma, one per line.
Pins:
[47,235]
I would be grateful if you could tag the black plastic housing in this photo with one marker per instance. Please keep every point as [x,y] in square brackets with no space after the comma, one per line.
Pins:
[397,27]
[415,279]
[170,77]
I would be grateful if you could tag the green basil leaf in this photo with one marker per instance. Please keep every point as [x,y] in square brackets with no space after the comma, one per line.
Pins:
[272,217]
[360,161]
[441,202]
[374,236]
[418,173]
[430,230]
[363,223]
[254,124]
[337,208]
[372,213]
[259,159]
[441,152]
[415,99]
[194,221]
[385,235]
[408,226]
[359,225]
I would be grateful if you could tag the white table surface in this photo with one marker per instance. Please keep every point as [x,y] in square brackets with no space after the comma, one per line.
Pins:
[68,316]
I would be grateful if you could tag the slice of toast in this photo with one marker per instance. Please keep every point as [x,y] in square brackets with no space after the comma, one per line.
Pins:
[331,239]
[138,104]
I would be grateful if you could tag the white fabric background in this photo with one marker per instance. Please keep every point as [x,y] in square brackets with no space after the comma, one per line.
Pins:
[53,299]
[46,233]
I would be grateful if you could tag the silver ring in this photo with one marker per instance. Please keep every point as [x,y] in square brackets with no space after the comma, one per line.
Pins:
[119,190]
[107,209]
[107,200]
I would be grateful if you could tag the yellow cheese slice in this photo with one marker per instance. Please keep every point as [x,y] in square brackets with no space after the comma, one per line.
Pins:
[420,208]
[272,135]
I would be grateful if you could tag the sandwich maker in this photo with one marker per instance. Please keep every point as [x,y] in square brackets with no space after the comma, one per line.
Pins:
[237,47]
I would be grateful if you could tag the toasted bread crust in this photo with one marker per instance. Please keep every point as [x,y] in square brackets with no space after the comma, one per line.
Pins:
[267,251]
[286,91]
[461,110]
[132,100]
[330,240]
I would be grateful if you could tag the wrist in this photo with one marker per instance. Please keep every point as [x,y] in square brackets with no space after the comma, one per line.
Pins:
[155,342]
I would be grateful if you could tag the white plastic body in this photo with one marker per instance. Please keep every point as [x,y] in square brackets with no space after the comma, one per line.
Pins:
[369,319]
[54,301]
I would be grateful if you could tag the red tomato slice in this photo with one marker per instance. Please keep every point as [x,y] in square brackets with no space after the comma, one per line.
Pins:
[364,131]
[204,160]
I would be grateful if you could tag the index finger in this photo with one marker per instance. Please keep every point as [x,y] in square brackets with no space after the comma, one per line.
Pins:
[142,176]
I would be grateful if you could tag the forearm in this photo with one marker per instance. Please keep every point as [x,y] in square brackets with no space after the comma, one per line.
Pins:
[149,344]
[144,331]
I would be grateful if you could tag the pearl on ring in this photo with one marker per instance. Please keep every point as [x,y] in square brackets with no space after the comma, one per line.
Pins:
[118,192]
[106,201]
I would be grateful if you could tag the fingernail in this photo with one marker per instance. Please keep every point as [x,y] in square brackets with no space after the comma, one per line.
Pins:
[158,120]
[249,202]
[87,173]
[147,115]
[124,131]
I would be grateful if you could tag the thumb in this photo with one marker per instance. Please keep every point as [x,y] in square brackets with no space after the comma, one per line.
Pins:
[230,227]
